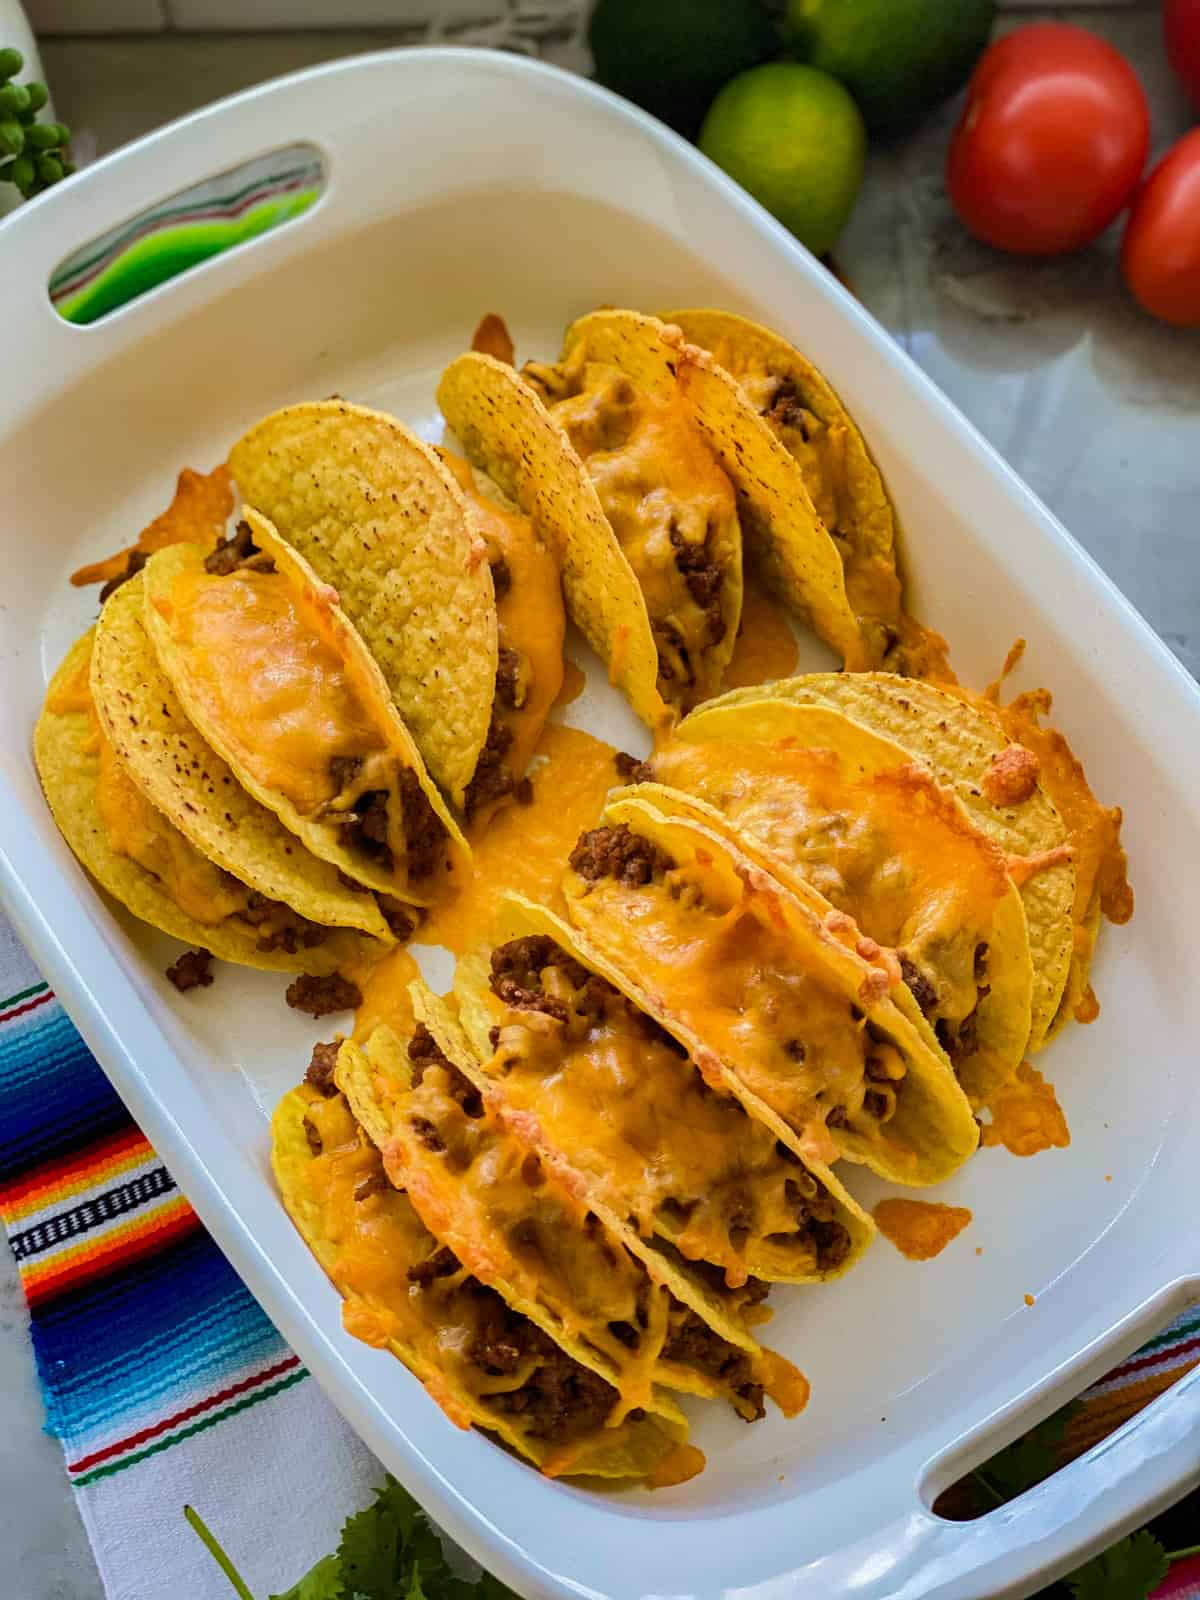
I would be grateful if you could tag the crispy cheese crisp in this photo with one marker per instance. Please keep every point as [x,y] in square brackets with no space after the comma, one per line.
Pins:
[197,515]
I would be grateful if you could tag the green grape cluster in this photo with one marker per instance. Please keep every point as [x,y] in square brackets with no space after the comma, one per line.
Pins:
[32,153]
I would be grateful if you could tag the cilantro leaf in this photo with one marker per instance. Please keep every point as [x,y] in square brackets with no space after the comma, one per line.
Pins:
[1029,1459]
[1129,1571]
[322,1583]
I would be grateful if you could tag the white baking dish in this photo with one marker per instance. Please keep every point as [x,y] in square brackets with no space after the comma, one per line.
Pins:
[461,183]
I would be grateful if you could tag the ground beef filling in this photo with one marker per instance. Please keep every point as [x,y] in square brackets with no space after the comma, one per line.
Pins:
[704,580]
[560,1399]
[134,563]
[319,1072]
[323,996]
[517,970]
[425,1052]
[923,991]
[193,970]
[510,680]
[631,770]
[291,932]
[619,853]
[691,1342]
[492,779]
[787,410]
[230,553]
[364,822]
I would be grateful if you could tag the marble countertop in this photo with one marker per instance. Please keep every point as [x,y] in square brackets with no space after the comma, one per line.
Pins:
[1091,402]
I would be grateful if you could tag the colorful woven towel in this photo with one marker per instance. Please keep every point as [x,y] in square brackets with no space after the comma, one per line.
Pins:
[161,1374]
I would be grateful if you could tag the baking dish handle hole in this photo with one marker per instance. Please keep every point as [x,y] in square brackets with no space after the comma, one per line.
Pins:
[1139,1365]
[179,233]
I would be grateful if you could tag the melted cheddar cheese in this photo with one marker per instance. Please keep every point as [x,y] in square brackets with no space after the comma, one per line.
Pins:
[665,497]
[767,647]
[887,848]
[525,846]
[920,1229]
[714,948]
[680,1159]
[256,655]
[529,611]
[135,829]
[515,1223]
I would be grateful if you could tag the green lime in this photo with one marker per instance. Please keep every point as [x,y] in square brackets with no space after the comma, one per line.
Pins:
[793,137]
[898,58]
[671,56]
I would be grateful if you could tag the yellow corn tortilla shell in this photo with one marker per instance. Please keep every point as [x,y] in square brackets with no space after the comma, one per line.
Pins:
[932,1131]
[959,744]
[519,918]
[507,432]
[1003,1016]
[183,777]
[321,837]
[855,511]
[65,747]
[375,512]
[783,536]
[631,1451]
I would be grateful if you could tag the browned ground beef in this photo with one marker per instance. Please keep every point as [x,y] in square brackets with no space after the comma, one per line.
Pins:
[134,563]
[704,581]
[321,997]
[319,1073]
[560,1399]
[523,793]
[633,770]
[401,919]
[923,991]
[423,828]
[344,769]
[294,933]
[669,643]
[492,779]
[191,971]
[443,1263]
[230,553]
[424,1052]
[427,1134]
[787,409]
[693,1343]
[501,577]
[508,677]
[375,1182]
[618,853]
[816,1216]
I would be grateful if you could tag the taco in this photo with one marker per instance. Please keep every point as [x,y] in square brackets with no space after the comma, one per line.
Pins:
[376,513]
[695,1173]
[507,433]
[829,806]
[519,1219]
[783,536]
[481,1361]
[668,527]
[531,619]
[998,783]
[183,778]
[798,1008]
[278,682]
[843,484]
[138,856]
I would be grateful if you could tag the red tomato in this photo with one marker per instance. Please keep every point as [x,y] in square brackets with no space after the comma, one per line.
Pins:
[1051,142]
[1181,30]
[1160,254]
